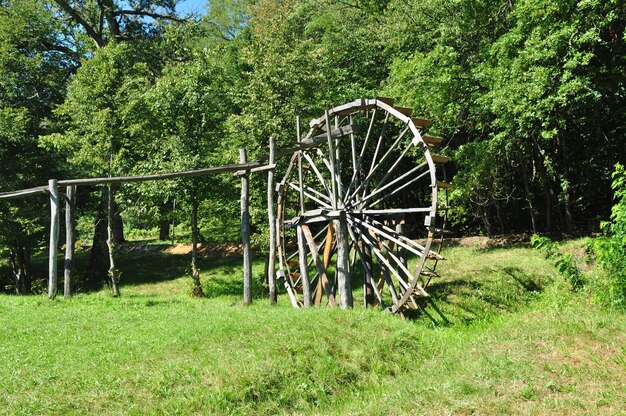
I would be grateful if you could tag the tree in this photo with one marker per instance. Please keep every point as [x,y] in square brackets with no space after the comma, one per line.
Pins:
[34,65]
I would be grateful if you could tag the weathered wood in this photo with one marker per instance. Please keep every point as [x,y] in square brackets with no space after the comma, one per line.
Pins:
[344,285]
[54,237]
[271,278]
[113,273]
[70,239]
[304,272]
[388,101]
[421,123]
[159,176]
[433,140]
[405,111]
[440,158]
[331,157]
[319,264]
[245,232]
[39,190]
[195,273]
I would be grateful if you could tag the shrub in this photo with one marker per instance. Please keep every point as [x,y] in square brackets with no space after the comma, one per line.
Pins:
[565,264]
[610,249]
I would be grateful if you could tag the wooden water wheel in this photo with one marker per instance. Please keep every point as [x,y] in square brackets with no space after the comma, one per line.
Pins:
[360,210]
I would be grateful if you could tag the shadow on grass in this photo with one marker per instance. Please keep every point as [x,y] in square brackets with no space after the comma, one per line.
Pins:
[149,264]
[502,289]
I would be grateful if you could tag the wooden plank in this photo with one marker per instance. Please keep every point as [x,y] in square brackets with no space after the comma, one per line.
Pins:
[440,158]
[245,233]
[386,100]
[304,272]
[271,279]
[321,270]
[54,237]
[434,140]
[421,123]
[444,185]
[405,111]
[327,255]
[70,240]
[344,284]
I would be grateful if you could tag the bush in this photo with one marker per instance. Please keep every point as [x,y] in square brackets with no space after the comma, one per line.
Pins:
[610,249]
[565,263]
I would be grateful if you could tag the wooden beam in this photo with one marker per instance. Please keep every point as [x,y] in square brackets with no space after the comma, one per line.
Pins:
[440,158]
[421,123]
[434,140]
[70,240]
[271,279]
[319,264]
[304,272]
[39,190]
[245,232]
[54,237]
[344,285]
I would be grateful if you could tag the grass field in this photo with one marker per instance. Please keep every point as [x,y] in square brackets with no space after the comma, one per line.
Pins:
[510,338]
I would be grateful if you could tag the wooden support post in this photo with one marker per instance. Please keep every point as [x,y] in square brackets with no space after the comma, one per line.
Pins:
[401,250]
[113,273]
[304,273]
[245,232]
[54,237]
[344,285]
[368,290]
[271,278]
[70,239]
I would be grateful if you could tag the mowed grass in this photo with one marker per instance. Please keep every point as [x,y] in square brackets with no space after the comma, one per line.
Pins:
[504,336]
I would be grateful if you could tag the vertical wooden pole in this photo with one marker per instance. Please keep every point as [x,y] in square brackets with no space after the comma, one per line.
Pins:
[344,285]
[300,181]
[113,274]
[54,237]
[304,273]
[401,251]
[271,278]
[245,231]
[70,239]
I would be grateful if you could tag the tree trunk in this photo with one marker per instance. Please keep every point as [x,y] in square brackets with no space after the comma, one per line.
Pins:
[529,197]
[99,256]
[118,224]
[20,264]
[195,274]
[548,196]
[164,230]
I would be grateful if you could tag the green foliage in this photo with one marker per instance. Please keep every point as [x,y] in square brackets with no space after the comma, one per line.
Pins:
[610,249]
[564,263]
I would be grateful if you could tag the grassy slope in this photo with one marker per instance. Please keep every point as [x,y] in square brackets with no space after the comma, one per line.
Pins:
[517,342]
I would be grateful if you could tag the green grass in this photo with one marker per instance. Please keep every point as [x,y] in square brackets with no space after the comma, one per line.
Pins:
[517,341]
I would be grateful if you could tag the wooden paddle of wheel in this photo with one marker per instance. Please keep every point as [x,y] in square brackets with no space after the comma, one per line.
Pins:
[358,209]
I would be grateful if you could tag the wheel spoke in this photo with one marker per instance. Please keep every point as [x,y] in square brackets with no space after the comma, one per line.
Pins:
[368,272]
[353,180]
[367,179]
[307,194]
[317,172]
[392,183]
